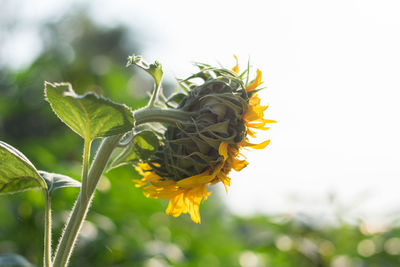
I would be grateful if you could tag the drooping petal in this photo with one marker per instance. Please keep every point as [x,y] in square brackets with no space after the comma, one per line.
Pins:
[225,180]
[236,67]
[238,165]
[258,125]
[176,205]
[139,182]
[250,132]
[208,175]
[261,145]
[199,179]
[188,201]
[257,81]
[255,111]
[166,192]
[223,149]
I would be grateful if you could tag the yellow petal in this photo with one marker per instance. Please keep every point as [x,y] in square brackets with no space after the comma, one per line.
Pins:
[225,180]
[188,201]
[175,206]
[238,165]
[250,132]
[236,68]
[269,121]
[223,149]
[258,146]
[151,177]
[256,82]
[208,175]
[259,126]
[195,180]
[166,192]
[144,166]
[139,182]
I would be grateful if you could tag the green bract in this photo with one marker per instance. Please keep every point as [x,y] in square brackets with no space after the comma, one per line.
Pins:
[141,147]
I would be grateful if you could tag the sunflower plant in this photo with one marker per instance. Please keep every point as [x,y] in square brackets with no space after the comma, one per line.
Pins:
[180,145]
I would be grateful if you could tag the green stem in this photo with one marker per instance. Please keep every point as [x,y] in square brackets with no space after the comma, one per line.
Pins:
[171,116]
[154,95]
[91,178]
[78,214]
[47,231]
[85,164]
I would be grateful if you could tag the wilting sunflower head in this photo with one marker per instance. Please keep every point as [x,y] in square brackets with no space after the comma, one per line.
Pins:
[217,106]
[203,149]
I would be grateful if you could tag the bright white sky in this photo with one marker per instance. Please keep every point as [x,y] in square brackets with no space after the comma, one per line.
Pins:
[332,74]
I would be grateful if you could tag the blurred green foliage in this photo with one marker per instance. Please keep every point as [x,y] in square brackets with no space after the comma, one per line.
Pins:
[123,227]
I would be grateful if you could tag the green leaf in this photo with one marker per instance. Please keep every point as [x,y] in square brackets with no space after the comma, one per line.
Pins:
[142,146]
[88,115]
[55,181]
[155,69]
[17,173]
[14,260]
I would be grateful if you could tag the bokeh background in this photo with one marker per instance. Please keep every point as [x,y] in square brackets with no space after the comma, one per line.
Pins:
[324,193]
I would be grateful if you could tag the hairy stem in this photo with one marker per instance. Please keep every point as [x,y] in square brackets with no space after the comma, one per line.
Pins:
[47,231]
[85,165]
[171,116]
[78,214]
[154,95]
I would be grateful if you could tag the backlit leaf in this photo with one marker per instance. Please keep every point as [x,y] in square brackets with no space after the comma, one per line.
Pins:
[17,173]
[89,115]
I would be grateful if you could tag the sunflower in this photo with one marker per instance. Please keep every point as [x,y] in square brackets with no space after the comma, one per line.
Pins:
[203,150]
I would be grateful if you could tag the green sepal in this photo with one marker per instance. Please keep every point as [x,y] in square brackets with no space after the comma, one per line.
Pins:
[17,173]
[143,145]
[174,100]
[55,181]
[154,69]
[89,115]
